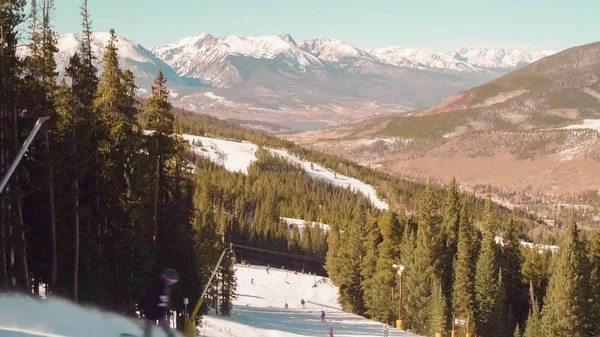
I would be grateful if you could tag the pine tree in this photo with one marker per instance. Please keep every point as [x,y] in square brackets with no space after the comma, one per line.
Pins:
[450,233]
[486,277]
[437,309]
[160,121]
[422,265]
[517,332]
[533,326]
[11,16]
[368,265]
[463,303]
[512,261]
[384,307]
[594,254]
[228,283]
[351,255]
[565,306]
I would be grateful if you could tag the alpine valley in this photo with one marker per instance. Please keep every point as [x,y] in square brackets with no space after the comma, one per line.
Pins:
[276,83]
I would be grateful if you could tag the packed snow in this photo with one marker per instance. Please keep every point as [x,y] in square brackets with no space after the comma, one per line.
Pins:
[259,310]
[319,172]
[234,156]
[22,316]
[300,223]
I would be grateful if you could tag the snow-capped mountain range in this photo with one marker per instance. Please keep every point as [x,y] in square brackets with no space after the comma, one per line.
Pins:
[276,78]
[196,56]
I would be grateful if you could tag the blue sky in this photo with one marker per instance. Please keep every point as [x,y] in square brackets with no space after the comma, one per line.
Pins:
[441,25]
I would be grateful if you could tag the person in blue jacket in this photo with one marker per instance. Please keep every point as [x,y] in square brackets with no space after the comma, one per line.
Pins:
[155,301]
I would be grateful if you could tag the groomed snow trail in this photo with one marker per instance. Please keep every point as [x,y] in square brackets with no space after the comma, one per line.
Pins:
[259,309]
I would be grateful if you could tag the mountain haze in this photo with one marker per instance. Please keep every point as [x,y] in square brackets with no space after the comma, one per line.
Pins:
[276,79]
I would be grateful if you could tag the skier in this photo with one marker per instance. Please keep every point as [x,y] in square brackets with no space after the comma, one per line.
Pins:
[385,330]
[322,315]
[302,302]
[286,305]
[331,332]
[156,300]
[252,280]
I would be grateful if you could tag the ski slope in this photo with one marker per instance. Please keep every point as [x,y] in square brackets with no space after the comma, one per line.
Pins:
[319,172]
[237,157]
[22,316]
[234,156]
[259,309]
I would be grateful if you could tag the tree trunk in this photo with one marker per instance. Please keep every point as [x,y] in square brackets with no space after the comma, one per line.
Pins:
[52,213]
[156,180]
[76,210]
[26,283]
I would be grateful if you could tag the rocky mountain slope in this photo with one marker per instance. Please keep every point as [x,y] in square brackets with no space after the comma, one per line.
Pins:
[280,80]
[533,133]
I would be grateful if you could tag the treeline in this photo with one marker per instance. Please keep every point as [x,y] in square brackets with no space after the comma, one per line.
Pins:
[401,194]
[453,270]
[96,208]
[248,208]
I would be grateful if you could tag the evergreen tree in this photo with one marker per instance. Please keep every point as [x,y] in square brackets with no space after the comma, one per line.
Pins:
[384,307]
[566,303]
[368,265]
[160,121]
[533,327]
[351,256]
[463,303]
[517,332]
[228,282]
[486,278]
[594,256]
[512,261]
[422,266]
[437,309]
[450,233]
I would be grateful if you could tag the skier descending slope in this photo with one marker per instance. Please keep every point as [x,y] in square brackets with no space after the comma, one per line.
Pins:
[156,300]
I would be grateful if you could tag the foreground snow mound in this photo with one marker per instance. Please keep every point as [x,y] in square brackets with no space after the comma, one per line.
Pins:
[259,310]
[22,316]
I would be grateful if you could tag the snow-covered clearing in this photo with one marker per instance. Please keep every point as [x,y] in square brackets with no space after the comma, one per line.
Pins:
[541,248]
[300,223]
[237,156]
[319,172]
[259,310]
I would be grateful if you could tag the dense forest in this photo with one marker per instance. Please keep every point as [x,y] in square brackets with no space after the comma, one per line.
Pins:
[98,207]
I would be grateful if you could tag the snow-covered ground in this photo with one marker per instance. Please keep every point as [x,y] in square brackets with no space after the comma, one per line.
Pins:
[259,310]
[22,316]
[319,172]
[541,248]
[237,156]
[300,223]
